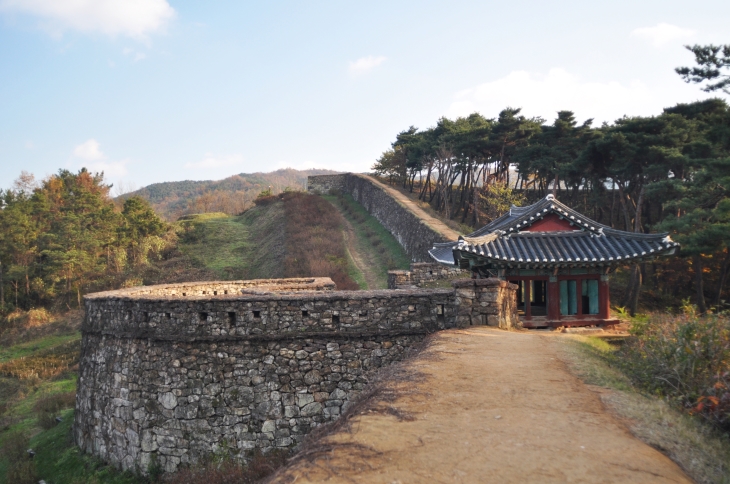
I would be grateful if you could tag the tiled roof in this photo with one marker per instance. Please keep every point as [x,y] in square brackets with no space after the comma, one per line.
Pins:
[505,243]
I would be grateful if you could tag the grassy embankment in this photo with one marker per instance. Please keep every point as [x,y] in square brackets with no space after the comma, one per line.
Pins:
[290,235]
[371,247]
[701,449]
[247,246]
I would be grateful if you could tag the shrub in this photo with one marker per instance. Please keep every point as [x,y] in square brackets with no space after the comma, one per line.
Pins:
[684,358]
[47,407]
[231,472]
[21,469]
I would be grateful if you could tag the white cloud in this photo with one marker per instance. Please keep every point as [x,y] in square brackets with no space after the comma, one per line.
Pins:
[364,64]
[89,151]
[89,155]
[212,161]
[111,169]
[133,18]
[545,95]
[662,33]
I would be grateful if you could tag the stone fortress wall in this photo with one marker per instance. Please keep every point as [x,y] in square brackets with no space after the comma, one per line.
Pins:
[169,374]
[414,234]
[422,273]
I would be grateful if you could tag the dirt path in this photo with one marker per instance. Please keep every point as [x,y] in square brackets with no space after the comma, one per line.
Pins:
[360,259]
[492,406]
[434,223]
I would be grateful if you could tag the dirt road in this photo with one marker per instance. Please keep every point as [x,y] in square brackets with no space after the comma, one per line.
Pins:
[490,406]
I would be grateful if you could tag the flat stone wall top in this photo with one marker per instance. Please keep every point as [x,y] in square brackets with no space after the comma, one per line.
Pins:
[492,281]
[214,289]
[267,315]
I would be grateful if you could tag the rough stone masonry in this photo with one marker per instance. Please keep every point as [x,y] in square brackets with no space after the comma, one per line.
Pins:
[413,233]
[172,373]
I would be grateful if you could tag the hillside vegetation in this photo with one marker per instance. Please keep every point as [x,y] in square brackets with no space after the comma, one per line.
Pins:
[288,235]
[231,195]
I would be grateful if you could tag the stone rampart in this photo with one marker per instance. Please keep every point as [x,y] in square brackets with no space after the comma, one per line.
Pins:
[414,234]
[422,273]
[170,374]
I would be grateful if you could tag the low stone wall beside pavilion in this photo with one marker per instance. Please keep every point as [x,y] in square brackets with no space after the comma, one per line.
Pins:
[169,374]
[422,273]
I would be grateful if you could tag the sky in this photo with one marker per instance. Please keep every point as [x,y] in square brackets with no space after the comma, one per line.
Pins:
[160,90]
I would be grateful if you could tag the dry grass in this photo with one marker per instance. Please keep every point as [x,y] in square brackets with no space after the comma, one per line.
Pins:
[43,364]
[229,471]
[47,408]
[315,245]
[702,451]
[20,326]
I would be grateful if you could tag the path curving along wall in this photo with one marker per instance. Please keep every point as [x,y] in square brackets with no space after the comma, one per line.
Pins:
[416,232]
[169,374]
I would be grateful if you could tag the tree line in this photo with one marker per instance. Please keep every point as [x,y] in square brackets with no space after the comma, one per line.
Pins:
[669,172]
[65,236]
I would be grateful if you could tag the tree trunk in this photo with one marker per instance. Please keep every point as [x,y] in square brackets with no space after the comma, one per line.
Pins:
[627,217]
[628,298]
[697,263]
[426,184]
[720,285]
[2,288]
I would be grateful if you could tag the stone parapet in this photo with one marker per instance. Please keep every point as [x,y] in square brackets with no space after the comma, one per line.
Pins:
[170,378]
[422,273]
[489,302]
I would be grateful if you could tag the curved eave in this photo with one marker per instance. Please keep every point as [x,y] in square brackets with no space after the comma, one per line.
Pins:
[466,259]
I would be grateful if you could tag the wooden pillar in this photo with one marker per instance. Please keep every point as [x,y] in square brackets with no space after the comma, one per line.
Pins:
[603,299]
[553,299]
[526,296]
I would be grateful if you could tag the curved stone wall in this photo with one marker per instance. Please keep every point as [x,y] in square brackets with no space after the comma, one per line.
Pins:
[175,377]
[169,374]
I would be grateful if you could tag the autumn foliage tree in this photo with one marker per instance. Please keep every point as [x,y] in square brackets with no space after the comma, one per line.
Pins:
[65,236]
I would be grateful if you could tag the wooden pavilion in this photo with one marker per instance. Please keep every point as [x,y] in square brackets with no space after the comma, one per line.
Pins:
[559,258]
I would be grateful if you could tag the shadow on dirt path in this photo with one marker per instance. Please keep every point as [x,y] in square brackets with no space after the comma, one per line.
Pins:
[491,406]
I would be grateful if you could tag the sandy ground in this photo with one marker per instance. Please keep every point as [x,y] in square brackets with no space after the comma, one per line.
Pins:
[489,406]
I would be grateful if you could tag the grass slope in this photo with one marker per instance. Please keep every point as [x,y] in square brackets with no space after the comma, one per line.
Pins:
[39,356]
[702,451]
[375,246]
[235,247]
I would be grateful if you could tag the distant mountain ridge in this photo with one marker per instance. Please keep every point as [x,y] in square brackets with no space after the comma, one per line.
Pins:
[231,195]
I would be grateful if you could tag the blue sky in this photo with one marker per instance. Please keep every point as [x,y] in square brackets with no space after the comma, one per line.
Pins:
[161,90]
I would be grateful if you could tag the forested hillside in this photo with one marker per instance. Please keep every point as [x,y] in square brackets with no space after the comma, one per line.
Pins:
[669,172]
[65,237]
[232,195]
